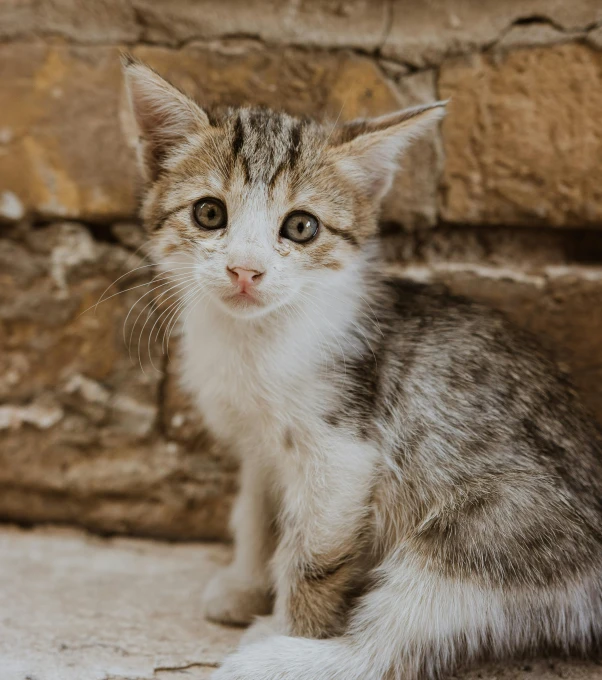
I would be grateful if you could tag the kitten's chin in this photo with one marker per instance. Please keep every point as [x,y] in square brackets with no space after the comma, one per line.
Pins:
[243,306]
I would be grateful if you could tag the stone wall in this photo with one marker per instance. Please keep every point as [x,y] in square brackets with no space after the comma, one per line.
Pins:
[504,204]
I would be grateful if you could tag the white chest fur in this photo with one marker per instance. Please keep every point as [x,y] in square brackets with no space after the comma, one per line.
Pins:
[263,389]
[252,383]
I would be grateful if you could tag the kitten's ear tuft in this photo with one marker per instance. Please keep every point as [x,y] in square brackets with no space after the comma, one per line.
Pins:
[165,117]
[368,150]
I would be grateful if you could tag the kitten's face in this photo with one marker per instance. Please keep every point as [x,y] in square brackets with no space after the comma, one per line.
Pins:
[258,210]
[257,206]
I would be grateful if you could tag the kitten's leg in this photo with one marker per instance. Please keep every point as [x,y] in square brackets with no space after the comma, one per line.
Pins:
[318,562]
[243,590]
[411,620]
[261,628]
[418,623]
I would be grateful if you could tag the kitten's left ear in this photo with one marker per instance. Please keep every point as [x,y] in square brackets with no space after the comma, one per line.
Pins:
[368,150]
[165,116]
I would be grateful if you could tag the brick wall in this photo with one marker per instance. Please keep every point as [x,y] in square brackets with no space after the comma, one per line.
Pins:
[503,204]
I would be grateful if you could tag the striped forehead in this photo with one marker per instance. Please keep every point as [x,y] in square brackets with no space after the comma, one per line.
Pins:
[266,144]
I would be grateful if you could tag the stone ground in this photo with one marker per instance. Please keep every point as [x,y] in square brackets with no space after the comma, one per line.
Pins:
[77,607]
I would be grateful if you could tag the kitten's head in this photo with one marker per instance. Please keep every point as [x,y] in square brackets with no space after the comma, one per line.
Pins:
[258,208]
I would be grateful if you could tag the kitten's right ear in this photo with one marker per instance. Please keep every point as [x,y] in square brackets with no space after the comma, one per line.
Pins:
[165,117]
[367,150]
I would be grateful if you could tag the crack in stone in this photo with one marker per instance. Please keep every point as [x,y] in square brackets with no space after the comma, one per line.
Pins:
[194,664]
[577,33]
[142,39]
[389,16]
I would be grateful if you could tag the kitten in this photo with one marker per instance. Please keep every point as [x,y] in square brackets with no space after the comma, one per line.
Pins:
[419,484]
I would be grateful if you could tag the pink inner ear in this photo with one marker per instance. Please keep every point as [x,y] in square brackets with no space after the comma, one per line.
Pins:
[371,157]
[370,164]
[163,114]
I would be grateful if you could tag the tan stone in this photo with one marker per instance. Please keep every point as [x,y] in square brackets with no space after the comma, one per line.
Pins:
[412,202]
[330,23]
[535,35]
[502,248]
[66,141]
[82,608]
[594,38]
[100,21]
[350,23]
[522,140]
[81,436]
[62,149]
[414,32]
[425,33]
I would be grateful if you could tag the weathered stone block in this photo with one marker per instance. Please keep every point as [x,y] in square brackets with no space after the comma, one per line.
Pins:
[81,427]
[329,23]
[522,138]
[66,139]
[332,23]
[100,21]
[425,33]
[62,149]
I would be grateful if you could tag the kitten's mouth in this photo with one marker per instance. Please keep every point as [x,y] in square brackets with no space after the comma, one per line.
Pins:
[243,299]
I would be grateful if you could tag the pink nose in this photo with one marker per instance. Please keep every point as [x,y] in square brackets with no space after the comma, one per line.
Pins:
[245,278]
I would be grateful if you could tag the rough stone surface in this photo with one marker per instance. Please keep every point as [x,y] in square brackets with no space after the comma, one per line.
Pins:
[522,140]
[74,607]
[425,33]
[524,250]
[100,21]
[62,149]
[333,23]
[81,436]
[417,33]
[66,139]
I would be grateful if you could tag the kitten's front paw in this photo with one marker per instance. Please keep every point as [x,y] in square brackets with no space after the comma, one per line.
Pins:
[262,628]
[231,599]
[286,658]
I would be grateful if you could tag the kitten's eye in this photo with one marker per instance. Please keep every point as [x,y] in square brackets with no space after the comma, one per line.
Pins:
[299,227]
[210,213]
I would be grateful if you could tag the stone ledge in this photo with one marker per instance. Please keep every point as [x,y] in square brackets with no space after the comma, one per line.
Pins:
[431,32]
[415,33]
[75,607]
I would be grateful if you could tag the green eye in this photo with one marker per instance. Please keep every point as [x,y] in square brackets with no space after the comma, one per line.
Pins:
[299,227]
[210,213]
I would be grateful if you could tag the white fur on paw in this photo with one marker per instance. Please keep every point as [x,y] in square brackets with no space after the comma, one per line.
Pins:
[229,598]
[287,658]
[261,628]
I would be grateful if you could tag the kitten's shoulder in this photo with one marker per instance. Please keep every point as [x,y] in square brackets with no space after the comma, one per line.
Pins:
[408,298]
[428,313]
